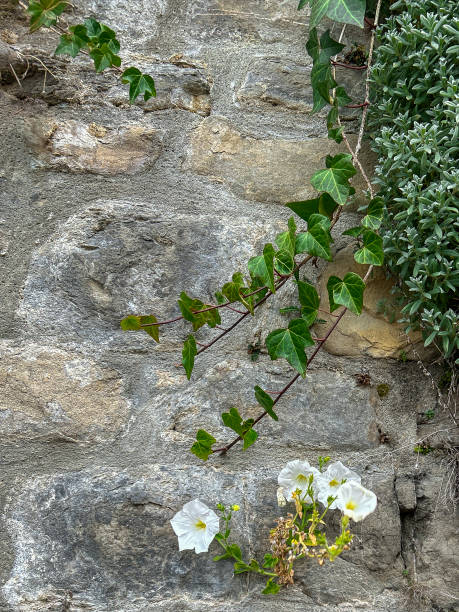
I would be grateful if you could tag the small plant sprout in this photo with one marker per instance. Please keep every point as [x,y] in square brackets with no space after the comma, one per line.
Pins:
[299,535]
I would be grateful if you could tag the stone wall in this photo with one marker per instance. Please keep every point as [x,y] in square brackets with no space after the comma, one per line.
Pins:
[108,209]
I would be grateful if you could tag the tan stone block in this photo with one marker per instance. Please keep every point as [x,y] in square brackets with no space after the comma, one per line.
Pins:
[265,170]
[53,394]
[370,333]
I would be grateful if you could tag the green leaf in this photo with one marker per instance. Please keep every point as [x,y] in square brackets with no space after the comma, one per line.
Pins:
[202,448]
[288,310]
[249,438]
[270,561]
[316,242]
[233,420]
[328,47]
[309,300]
[343,11]
[342,97]
[130,323]
[322,81]
[283,262]
[93,27]
[234,551]
[240,567]
[353,231]
[262,267]
[188,306]
[188,354]
[286,240]
[324,205]
[302,4]
[347,292]
[335,178]
[336,134]
[138,84]
[271,587]
[71,44]
[372,250]
[290,344]
[233,291]
[265,402]
[104,57]
[152,330]
[373,218]
[44,13]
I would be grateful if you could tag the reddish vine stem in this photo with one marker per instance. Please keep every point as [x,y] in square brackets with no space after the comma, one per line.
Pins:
[226,448]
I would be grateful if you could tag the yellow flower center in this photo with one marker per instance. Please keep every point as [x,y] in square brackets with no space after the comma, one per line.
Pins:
[301,478]
[200,525]
[334,483]
[351,505]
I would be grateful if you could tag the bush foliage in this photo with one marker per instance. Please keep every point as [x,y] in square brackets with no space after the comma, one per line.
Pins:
[415,124]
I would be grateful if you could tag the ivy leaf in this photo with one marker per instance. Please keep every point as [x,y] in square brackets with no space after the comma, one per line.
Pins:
[288,309]
[45,13]
[271,587]
[335,178]
[341,96]
[138,84]
[372,250]
[353,231]
[283,262]
[188,306]
[322,81]
[286,240]
[265,401]
[104,57]
[188,354]
[249,438]
[343,11]
[130,323]
[309,300]
[152,330]
[373,218]
[93,27]
[71,44]
[290,344]
[316,242]
[202,448]
[336,134]
[347,292]
[324,205]
[262,266]
[233,291]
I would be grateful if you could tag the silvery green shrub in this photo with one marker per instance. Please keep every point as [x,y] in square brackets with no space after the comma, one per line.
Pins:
[415,127]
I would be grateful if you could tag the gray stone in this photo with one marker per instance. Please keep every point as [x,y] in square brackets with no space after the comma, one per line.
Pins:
[276,82]
[78,147]
[113,548]
[406,493]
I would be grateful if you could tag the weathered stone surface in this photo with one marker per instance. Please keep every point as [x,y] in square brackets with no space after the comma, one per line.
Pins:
[50,394]
[229,21]
[120,257]
[78,147]
[113,548]
[265,170]
[370,333]
[277,82]
[406,492]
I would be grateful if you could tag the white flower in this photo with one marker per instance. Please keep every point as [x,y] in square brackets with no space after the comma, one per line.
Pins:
[196,526]
[331,480]
[355,501]
[295,475]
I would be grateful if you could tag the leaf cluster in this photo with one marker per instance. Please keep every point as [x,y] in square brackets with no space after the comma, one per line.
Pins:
[414,120]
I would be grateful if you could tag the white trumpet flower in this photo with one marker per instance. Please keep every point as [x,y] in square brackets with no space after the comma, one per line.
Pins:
[195,526]
[355,501]
[295,475]
[331,481]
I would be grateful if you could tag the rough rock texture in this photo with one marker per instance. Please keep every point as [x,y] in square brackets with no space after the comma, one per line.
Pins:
[371,333]
[109,208]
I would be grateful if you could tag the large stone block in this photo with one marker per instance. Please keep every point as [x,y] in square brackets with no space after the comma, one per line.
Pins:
[55,395]
[102,539]
[78,147]
[372,333]
[261,169]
